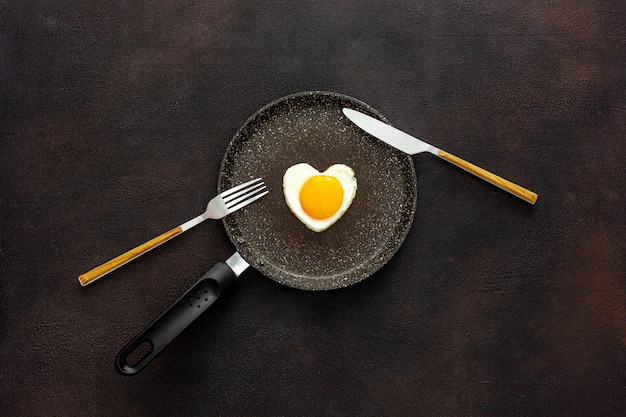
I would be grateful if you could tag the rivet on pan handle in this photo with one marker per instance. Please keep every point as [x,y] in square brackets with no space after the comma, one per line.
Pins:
[157,335]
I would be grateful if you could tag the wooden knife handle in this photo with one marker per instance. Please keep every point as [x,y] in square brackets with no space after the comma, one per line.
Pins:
[506,185]
[124,258]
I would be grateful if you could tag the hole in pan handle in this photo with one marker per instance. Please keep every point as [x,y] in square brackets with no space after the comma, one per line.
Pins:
[144,347]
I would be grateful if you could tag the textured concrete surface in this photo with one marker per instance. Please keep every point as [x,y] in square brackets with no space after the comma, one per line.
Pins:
[115,117]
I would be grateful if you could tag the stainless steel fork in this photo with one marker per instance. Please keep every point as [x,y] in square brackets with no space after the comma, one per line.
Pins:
[225,203]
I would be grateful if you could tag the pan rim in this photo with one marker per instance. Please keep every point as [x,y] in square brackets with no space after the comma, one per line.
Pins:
[343,277]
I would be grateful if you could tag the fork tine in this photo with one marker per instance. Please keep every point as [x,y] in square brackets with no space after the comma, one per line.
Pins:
[237,195]
[246,202]
[244,195]
[233,190]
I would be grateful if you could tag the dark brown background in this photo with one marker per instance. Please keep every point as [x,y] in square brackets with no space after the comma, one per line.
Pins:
[115,115]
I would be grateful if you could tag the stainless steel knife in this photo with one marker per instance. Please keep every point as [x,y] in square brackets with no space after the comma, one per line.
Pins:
[412,145]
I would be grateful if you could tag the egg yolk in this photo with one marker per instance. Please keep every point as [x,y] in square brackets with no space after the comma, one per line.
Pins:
[321,196]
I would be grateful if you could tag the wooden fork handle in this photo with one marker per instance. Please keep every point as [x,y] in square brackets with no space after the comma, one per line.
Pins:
[105,268]
[506,185]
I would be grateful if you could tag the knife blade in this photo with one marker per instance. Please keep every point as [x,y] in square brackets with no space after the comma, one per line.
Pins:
[412,145]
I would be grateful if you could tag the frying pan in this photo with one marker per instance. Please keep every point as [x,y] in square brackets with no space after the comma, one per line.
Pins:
[304,127]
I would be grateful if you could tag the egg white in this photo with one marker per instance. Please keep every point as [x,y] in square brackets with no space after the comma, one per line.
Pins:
[298,174]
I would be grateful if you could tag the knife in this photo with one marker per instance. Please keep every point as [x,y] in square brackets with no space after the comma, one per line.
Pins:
[144,347]
[412,145]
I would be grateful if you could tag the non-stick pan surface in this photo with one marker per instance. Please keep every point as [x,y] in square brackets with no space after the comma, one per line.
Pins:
[310,127]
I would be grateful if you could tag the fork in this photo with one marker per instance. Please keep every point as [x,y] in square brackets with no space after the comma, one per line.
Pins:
[225,203]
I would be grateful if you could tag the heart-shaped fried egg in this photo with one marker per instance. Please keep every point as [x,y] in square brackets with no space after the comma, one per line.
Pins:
[319,199]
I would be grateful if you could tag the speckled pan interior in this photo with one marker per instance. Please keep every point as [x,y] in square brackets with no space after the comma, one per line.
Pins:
[310,127]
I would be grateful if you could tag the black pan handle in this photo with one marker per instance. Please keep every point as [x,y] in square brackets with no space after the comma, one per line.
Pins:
[151,341]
